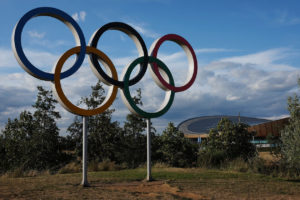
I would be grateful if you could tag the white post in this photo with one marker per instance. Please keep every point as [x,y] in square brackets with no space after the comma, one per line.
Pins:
[84,181]
[149,177]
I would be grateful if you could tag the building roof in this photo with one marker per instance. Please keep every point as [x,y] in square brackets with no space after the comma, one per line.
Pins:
[202,125]
[270,128]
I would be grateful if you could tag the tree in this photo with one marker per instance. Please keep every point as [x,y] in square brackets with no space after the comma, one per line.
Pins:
[290,136]
[31,142]
[3,162]
[226,142]
[46,135]
[134,141]
[17,141]
[103,134]
[175,149]
[134,137]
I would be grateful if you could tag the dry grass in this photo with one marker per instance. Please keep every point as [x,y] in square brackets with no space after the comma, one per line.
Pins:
[267,156]
[171,183]
[161,165]
[17,173]
[93,166]
[73,167]
[105,165]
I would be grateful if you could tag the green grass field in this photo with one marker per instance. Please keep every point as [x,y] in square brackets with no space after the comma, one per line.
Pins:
[170,183]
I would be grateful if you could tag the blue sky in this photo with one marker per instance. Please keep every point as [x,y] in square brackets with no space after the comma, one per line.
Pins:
[248,54]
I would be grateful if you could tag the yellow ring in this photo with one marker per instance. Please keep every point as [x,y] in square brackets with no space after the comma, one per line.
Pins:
[111,95]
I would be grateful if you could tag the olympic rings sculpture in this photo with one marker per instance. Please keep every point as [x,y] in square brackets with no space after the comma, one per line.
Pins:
[159,71]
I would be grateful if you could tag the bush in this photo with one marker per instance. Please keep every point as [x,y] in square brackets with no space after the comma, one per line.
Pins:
[290,139]
[161,165]
[105,165]
[211,158]
[175,150]
[238,164]
[73,167]
[227,142]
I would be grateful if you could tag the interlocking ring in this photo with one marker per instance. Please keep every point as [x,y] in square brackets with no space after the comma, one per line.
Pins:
[20,55]
[160,72]
[127,99]
[112,92]
[193,66]
[139,42]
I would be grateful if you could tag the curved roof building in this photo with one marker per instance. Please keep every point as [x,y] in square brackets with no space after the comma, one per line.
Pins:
[200,126]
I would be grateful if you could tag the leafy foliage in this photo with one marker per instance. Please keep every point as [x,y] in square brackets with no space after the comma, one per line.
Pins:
[103,134]
[226,142]
[31,142]
[176,150]
[134,138]
[134,141]
[290,136]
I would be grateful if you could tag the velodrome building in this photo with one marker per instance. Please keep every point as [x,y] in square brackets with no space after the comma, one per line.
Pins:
[197,129]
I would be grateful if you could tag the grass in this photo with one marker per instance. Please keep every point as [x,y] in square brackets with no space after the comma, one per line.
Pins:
[170,183]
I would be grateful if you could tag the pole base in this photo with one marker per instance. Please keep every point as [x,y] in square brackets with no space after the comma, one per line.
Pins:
[85,184]
[149,179]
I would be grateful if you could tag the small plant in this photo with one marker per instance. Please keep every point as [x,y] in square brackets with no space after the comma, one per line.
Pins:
[161,165]
[108,165]
[211,158]
[105,165]
[73,167]
[238,164]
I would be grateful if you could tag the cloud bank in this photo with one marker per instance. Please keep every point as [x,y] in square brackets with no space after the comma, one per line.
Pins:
[256,84]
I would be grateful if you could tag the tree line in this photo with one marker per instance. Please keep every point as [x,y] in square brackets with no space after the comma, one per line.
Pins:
[32,141]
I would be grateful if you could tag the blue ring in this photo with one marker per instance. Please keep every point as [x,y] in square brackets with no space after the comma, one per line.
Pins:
[17,45]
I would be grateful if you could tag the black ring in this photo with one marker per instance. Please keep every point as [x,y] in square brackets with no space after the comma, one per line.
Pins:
[132,33]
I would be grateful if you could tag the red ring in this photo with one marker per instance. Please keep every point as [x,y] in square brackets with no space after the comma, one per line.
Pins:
[183,43]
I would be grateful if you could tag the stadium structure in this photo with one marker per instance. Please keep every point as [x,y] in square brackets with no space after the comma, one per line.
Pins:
[197,129]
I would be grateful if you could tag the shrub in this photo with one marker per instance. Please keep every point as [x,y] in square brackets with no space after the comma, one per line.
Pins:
[226,142]
[211,158]
[73,167]
[175,150]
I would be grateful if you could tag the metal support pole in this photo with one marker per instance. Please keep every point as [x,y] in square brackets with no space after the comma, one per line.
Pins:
[84,181]
[149,177]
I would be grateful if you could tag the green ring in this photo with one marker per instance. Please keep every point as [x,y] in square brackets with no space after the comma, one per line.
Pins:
[128,97]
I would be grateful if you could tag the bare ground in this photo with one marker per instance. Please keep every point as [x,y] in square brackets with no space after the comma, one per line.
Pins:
[97,190]
[183,184]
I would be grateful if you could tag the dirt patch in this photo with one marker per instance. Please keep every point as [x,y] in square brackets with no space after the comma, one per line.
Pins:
[53,189]
[154,189]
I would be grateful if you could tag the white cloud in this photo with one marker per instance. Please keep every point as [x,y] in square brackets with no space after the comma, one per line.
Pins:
[144,31]
[232,98]
[35,34]
[43,60]
[37,38]
[284,17]
[255,85]
[123,61]
[79,16]
[265,60]
[7,58]
[75,17]
[82,15]
[49,44]
[213,50]
[277,117]
[251,84]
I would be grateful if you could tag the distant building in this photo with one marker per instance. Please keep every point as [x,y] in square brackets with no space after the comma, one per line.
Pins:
[269,128]
[197,129]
